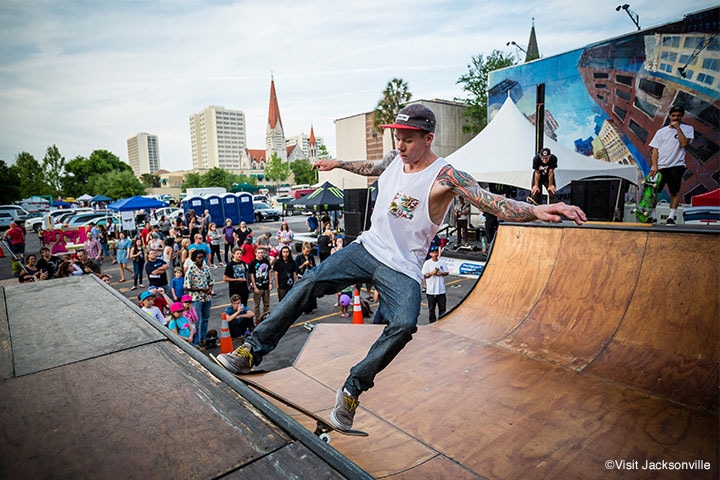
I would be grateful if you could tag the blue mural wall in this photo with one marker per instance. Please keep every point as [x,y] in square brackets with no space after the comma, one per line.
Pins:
[606,100]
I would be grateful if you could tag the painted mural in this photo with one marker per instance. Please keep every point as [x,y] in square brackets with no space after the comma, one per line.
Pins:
[608,99]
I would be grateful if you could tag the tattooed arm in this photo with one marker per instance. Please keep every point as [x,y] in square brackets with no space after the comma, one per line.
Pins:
[361,167]
[454,182]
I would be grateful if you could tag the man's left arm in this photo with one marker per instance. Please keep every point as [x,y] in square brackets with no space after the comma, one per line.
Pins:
[682,138]
[461,183]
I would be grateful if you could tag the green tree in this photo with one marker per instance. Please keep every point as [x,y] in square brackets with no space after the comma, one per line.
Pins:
[192,180]
[475,84]
[303,172]
[276,169]
[116,184]
[31,176]
[394,98]
[53,168]
[9,184]
[323,152]
[217,177]
[150,180]
[79,170]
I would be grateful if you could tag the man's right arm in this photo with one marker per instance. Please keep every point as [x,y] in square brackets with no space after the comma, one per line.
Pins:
[361,167]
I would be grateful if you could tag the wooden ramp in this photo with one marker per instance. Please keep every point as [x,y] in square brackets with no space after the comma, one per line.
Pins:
[577,347]
[89,388]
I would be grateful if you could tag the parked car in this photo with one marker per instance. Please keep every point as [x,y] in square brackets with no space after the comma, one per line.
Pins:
[278,201]
[263,211]
[261,198]
[5,219]
[103,221]
[18,213]
[170,213]
[37,224]
[84,218]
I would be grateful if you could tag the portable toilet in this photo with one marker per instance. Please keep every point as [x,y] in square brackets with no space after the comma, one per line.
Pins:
[196,203]
[231,208]
[245,202]
[213,204]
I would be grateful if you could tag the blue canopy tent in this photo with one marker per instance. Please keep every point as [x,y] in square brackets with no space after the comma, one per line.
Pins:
[100,198]
[60,203]
[136,203]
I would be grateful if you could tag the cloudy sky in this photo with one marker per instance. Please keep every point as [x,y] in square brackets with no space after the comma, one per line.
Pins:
[86,74]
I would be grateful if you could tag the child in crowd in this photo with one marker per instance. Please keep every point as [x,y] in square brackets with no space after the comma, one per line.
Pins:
[147,299]
[190,313]
[345,300]
[176,284]
[179,324]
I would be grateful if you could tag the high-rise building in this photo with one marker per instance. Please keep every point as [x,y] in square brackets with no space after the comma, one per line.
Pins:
[218,138]
[143,153]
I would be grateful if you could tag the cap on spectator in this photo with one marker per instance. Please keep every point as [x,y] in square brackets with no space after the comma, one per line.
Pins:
[145,295]
[186,298]
[177,307]
[433,248]
[545,152]
[414,117]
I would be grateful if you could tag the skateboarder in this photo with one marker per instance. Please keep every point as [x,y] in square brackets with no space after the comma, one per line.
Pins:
[668,157]
[416,188]
[544,165]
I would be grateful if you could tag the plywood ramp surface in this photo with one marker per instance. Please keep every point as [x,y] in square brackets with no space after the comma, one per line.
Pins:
[578,346]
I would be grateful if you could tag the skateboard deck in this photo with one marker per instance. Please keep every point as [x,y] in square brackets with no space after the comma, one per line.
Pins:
[323,428]
[649,196]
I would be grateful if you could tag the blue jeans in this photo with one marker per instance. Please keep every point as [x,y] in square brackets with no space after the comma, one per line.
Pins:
[399,306]
[202,309]
[138,269]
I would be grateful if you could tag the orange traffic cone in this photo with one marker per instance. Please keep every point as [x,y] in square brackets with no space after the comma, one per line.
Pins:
[357,309]
[226,345]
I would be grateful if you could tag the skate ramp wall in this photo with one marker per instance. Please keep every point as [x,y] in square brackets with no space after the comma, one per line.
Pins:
[577,346]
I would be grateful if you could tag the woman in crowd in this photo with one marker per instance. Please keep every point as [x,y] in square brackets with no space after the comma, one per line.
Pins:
[199,282]
[214,238]
[137,255]
[228,232]
[306,262]
[286,271]
[123,247]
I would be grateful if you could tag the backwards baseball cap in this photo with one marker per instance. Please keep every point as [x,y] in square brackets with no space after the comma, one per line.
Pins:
[414,117]
[545,152]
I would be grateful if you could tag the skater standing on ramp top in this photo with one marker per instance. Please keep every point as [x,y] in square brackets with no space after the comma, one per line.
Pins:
[416,188]
[668,157]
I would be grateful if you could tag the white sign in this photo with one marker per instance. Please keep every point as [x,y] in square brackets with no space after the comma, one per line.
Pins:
[128,220]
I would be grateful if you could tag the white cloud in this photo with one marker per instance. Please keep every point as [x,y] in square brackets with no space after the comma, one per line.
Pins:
[86,75]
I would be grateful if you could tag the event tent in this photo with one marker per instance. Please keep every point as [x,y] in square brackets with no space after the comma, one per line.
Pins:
[503,152]
[100,198]
[136,203]
[324,198]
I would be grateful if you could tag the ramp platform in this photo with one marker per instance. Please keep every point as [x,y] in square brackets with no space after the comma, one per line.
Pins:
[581,353]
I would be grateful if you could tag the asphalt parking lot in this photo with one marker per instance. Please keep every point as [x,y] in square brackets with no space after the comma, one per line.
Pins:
[292,342]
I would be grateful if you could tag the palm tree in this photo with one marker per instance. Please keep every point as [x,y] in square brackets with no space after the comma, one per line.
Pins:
[395,97]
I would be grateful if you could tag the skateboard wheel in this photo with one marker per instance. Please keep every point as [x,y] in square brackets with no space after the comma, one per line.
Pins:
[325,437]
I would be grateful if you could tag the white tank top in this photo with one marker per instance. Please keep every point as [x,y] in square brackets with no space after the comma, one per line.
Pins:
[401,229]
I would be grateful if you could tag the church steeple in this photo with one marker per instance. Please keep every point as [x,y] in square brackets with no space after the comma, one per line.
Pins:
[533,53]
[275,136]
[312,146]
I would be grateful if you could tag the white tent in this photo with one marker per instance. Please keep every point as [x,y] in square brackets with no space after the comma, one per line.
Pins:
[503,153]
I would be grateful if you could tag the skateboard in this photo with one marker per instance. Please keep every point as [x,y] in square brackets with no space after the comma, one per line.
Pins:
[323,428]
[647,202]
